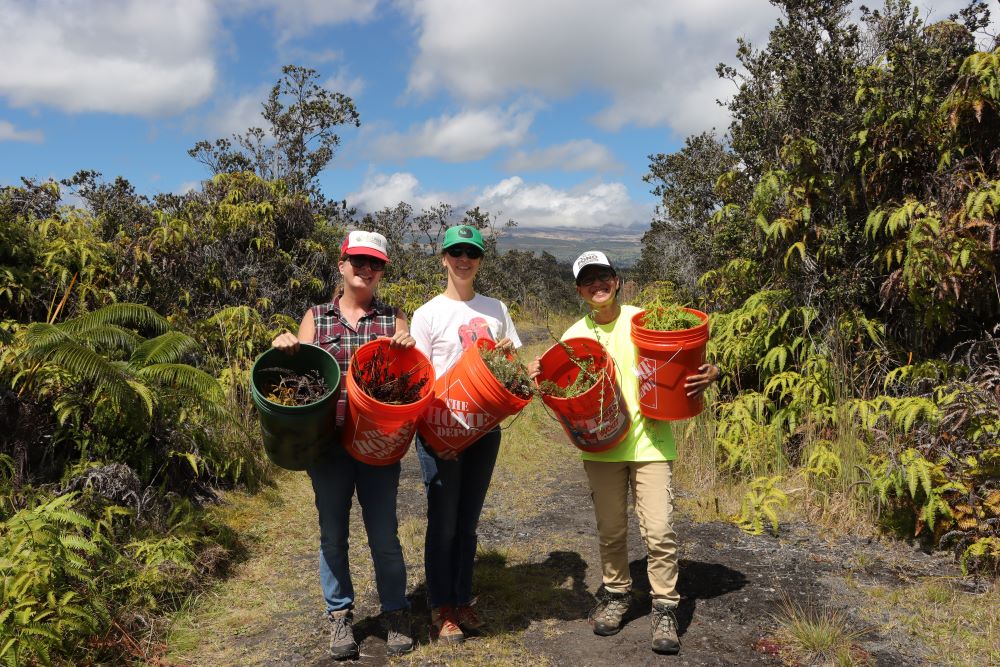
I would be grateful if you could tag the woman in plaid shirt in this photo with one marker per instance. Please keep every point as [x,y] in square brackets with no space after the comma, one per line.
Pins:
[355,317]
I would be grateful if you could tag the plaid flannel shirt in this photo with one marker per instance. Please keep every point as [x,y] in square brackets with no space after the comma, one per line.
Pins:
[336,336]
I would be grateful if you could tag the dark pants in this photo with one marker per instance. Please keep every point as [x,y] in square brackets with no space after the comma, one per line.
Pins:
[456,491]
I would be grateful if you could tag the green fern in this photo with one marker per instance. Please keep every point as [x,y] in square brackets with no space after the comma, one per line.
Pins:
[761,503]
[167,348]
[45,556]
[121,314]
[823,462]
[983,555]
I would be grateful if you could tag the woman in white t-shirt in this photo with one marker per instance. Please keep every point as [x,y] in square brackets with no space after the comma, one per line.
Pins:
[456,484]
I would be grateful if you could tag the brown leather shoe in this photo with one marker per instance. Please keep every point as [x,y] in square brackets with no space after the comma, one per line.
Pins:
[444,626]
[468,620]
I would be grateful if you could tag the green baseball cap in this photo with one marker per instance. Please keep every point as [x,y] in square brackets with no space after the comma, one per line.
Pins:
[460,234]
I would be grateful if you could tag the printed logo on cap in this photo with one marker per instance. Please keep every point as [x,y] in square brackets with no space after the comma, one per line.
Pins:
[465,232]
[588,258]
[367,239]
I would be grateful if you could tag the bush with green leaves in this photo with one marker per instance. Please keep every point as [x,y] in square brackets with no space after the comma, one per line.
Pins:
[49,605]
[847,231]
[119,396]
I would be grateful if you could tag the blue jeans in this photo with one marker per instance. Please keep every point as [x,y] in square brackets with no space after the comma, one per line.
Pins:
[456,491]
[335,478]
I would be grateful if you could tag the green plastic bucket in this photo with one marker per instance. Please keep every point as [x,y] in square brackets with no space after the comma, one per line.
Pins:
[295,435]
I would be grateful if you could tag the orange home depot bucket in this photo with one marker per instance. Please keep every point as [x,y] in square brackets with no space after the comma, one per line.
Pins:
[664,361]
[597,419]
[379,433]
[468,402]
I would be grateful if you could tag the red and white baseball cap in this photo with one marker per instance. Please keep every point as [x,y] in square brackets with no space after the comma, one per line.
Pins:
[365,243]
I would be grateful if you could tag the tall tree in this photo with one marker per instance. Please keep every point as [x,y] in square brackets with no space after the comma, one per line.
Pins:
[679,245]
[298,140]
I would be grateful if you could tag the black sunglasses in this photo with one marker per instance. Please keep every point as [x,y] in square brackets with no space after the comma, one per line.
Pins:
[360,261]
[589,279]
[468,251]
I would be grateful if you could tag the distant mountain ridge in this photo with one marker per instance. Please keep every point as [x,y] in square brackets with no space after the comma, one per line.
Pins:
[623,245]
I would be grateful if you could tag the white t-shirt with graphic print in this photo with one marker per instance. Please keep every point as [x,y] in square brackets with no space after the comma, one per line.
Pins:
[444,327]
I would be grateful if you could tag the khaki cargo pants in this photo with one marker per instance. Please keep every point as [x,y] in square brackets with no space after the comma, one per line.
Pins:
[654,503]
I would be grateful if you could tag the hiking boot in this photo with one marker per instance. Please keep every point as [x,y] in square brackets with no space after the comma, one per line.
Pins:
[664,630]
[468,620]
[610,611]
[342,644]
[444,626]
[398,637]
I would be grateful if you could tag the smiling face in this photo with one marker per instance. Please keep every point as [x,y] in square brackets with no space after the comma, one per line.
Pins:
[463,267]
[358,272]
[597,285]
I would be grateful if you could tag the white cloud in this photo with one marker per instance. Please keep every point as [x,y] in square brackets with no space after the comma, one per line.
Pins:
[591,206]
[233,114]
[381,190]
[467,135]
[577,155]
[343,82]
[10,133]
[302,16]
[187,186]
[653,59]
[120,56]
[588,206]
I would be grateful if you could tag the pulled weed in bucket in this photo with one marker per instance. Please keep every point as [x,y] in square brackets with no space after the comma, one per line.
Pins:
[511,373]
[293,388]
[665,316]
[587,378]
[376,380]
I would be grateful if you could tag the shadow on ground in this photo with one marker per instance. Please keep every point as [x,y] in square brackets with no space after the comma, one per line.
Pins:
[696,581]
[510,597]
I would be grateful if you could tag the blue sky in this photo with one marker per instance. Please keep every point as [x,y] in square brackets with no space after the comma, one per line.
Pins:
[541,110]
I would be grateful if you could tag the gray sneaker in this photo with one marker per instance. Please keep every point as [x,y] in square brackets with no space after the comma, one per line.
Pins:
[398,636]
[610,611]
[342,644]
[664,630]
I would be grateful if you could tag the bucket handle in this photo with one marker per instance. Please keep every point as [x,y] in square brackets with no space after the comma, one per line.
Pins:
[559,420]
[635,369]
[475,429]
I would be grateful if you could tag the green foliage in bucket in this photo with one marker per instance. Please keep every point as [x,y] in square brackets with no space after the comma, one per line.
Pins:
[664,316]
[509,372]
[587,378]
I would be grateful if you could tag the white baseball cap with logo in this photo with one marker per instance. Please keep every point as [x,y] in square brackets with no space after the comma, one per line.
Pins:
[590,258]
[361,242]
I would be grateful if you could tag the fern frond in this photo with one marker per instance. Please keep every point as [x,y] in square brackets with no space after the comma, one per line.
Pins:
[236,316]
[187,378]
[121,314]
[39,336]
[78,360]
[166,348]
[110,337]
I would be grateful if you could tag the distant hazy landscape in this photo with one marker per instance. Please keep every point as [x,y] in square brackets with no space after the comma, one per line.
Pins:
[622,244]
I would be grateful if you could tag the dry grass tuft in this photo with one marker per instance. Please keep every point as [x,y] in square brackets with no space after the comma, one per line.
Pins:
[817,636]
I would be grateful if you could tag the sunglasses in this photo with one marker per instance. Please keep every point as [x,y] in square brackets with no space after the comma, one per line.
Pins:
[361,261]
[589,279]
[471,253]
